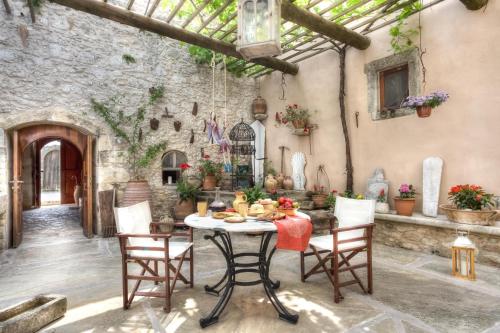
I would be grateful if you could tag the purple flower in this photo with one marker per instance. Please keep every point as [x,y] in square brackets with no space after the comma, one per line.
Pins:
[433,100]
[405,188]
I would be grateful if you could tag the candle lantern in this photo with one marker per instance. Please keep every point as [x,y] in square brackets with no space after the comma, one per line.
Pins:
[259,28]
[462,257]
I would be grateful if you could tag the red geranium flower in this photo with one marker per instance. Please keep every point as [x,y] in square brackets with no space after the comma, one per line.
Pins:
[206,156]
[184,166]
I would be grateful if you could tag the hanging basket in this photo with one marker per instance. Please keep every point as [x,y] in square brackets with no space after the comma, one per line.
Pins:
[424,111]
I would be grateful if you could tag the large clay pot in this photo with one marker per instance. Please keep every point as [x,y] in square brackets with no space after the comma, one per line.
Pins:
[271,184]
[319,200]
[183,208]
[288,183]
[424,111]
[481,217]
[404,206]
[135,192]
[280,179]
[209,182]
[240,198]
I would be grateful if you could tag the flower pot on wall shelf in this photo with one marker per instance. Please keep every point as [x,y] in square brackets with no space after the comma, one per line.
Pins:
[480,217]
[209,182]
[304,131]
[299,124]
[424,111]
[404,206]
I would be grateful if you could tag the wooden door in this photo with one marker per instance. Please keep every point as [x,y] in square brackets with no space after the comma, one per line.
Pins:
[17,191]
[87,189]
[71,171]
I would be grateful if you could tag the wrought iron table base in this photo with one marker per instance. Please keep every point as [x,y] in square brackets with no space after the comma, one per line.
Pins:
[224,287]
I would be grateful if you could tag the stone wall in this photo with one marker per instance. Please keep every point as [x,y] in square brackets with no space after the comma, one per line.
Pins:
[435,239]
[69,57]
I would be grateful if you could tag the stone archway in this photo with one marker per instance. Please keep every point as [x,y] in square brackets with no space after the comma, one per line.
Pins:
[27,133]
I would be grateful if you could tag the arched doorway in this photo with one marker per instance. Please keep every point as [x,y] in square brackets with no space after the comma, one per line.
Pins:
[76,167]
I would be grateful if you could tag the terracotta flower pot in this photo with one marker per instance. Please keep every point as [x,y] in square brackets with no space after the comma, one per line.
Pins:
[424,111]
[209,182]
[404,206]
[183,208]
[299,123]
[135,192]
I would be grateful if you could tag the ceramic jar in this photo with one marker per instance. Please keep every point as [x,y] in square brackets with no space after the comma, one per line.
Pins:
[240,198]
[288,183]
[271,184]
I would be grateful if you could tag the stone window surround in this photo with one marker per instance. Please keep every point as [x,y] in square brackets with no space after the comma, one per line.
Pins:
[372,70]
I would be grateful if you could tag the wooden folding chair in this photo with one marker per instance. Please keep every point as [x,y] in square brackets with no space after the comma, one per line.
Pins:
[142,243]
[353,236]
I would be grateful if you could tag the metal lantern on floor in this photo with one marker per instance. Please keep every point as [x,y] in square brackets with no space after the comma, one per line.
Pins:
[462,257]
[259,28]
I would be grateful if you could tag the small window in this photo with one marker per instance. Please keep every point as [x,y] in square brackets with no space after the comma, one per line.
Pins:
[393,85]
[171,170]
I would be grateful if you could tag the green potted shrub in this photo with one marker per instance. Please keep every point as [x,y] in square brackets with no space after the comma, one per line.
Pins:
[211,172]
[187,194]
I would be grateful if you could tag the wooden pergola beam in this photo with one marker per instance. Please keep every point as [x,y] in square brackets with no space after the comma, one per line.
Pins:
[6,4]
[474,4]
[323,26]
[127,17]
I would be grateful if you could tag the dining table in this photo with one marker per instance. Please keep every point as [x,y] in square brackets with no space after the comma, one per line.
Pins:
[259,264]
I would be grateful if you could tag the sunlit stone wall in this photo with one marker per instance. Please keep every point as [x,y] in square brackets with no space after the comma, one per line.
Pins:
[50,70]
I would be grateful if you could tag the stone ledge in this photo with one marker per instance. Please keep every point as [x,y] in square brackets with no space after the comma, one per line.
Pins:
[438,222]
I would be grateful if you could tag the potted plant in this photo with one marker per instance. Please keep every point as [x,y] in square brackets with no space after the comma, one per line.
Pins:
[425,104]
[187,194]
[319,196]
[128,128]
[330,200]
[405,202]
[470,205]
[254,194]
[382,206]
[211,172]
[297,116]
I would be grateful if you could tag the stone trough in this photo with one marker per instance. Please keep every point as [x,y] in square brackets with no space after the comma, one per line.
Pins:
[33,314]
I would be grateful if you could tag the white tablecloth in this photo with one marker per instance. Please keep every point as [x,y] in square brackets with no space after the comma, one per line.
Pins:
[251,225]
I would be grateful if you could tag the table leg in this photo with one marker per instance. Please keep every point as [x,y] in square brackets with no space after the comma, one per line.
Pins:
[269,285]
[226,248]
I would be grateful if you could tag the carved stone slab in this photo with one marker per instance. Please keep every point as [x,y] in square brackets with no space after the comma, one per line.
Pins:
[298,165]
[260,147]
[376,183]
[432,169]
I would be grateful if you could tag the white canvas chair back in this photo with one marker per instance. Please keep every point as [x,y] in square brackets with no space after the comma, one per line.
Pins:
[134,219]
[351,213]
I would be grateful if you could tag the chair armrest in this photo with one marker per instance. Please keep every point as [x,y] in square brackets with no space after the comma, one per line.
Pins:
[163,236]
[361,226]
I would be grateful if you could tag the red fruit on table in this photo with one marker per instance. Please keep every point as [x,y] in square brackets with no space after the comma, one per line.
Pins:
[281,200]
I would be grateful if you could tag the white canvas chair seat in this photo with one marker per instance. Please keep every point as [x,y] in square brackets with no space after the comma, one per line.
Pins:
[175,249]
[142,247]
[326,243]
[352,236]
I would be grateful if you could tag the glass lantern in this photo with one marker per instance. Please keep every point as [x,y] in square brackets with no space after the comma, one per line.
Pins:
[462,257]
[259,28]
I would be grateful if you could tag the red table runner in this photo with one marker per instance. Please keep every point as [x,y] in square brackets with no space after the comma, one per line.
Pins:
[293,233]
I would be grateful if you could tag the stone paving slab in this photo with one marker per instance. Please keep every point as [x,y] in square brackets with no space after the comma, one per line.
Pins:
[413,292]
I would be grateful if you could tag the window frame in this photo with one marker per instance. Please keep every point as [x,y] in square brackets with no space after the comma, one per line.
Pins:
[177,170]
[382,74]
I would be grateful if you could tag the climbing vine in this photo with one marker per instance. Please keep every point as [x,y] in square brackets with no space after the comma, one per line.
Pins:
[129,128]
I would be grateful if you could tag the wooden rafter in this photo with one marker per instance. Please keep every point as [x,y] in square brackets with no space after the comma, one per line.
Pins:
[175,10]
[130,3]
[121,15]
[214,15]
[153,8]
[222,25]
[195,13]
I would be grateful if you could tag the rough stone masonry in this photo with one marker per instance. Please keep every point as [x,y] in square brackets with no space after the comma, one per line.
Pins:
[51,69]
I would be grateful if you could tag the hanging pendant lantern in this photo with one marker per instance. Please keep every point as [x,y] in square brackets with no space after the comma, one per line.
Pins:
[259,28]
[259,105]
[462,257]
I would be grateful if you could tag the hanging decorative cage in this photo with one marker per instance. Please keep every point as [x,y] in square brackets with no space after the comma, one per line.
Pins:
[259,28]
[242,137]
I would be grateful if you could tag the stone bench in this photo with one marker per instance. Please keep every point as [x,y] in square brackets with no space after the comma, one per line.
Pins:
[435,235]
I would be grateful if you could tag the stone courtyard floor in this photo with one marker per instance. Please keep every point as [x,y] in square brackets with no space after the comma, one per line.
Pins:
[413,292]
